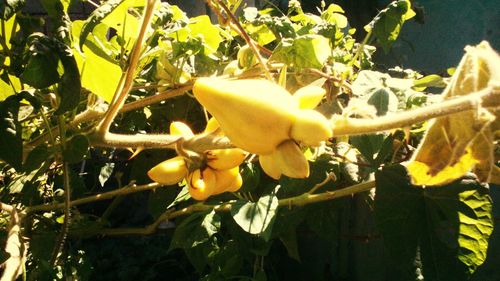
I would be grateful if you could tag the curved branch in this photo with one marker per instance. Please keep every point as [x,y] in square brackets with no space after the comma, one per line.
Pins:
[127,78]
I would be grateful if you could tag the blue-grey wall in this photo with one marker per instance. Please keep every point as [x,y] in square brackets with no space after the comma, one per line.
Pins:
[448,26]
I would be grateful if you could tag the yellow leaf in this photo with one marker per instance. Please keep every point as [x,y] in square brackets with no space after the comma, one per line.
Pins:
[456,144]
[422,174]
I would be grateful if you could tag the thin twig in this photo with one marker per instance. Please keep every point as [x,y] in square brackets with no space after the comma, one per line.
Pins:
[155,98]
[329,177]
[247,38]
[299,200]
[342,83]
[98,197]
[59,245]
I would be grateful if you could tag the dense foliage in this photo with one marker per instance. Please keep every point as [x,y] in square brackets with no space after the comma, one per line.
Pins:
[86,105]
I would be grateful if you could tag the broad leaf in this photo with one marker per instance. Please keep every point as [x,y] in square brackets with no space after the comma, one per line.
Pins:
[9,30]
[202,28]
[70,85]
[96,18]
[36,158]
[99,73]
[76,149]
[41,70]
[453,223]
[432,80]
[11,144]
[255,217]
[368,145]
[372,86]
[303,51]
[388,22]
[455,144]
[9,87]
[195,230]
[160,199]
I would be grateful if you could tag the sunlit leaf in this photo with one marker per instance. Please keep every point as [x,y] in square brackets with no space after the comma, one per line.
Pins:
[432,80]
[9,30]
[454,144]
[99,74]
[452,222]
[9,87]
[387,24]
[97,17]
[255,217]
[303,51]
[202,28]
[334,14]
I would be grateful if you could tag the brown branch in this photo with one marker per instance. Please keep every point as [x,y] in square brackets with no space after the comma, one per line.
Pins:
[300,200]
[98,197]
[13,266]
[155,98]
[487,97]
[126,81]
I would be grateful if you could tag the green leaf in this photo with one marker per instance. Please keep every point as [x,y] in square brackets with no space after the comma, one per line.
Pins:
[160,199]
[202,27]
[9,87]
[256,217]
[96,18]
[99,73]
[76,149]
[182,196]
[250,174]
[195,230]
[432,80]
[368,145]
[385,151]
[388,22]
[450,225]
[11,27]
[11,143]
[303,51]
[36,158]
[373,87]
[333,14]
[70,85]
[41,70]
[384,100]
[289,240]
[9,7]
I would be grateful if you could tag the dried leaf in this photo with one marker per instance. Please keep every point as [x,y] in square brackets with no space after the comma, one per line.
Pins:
[455,144]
